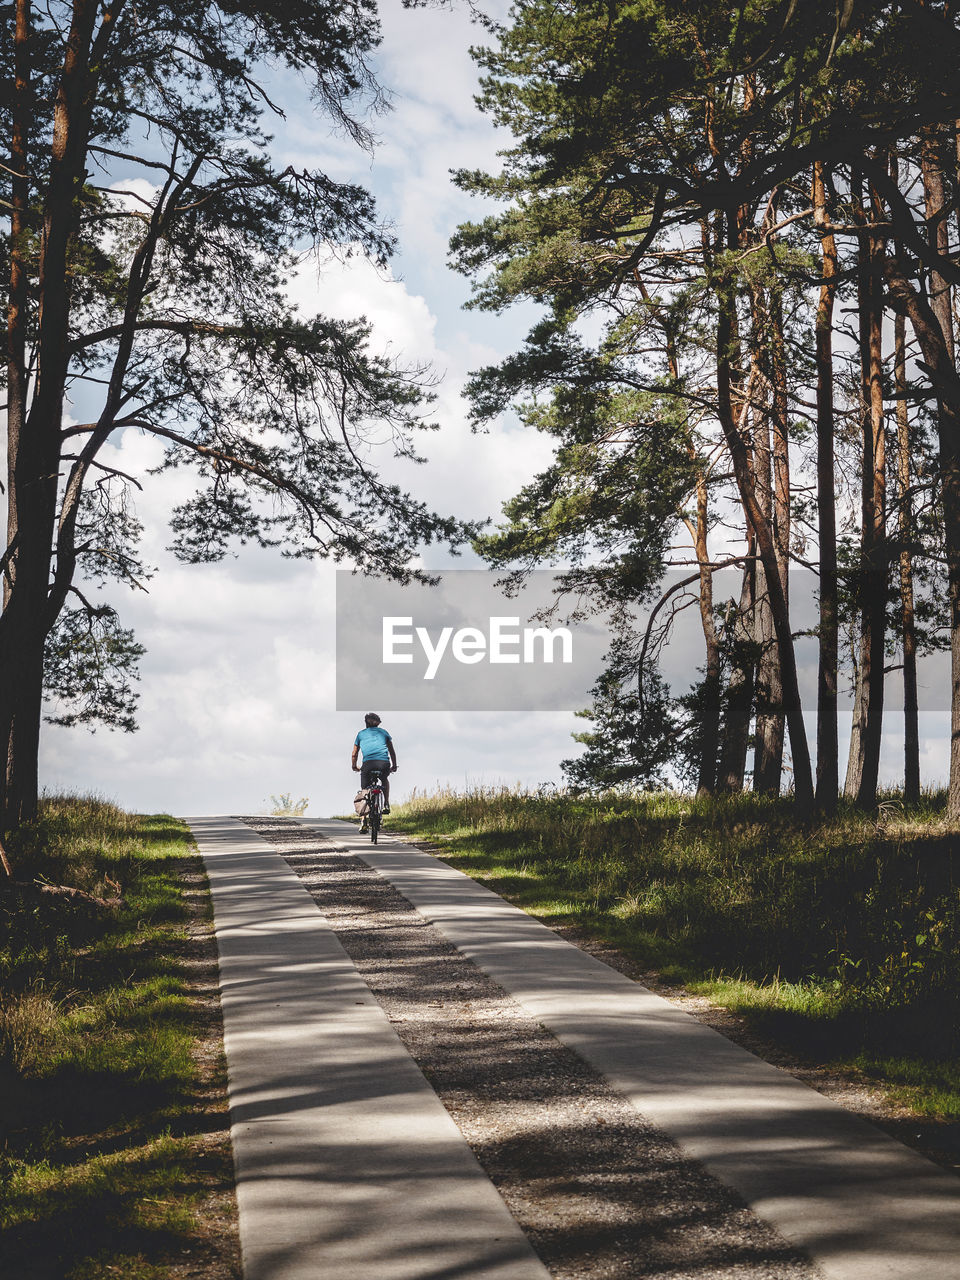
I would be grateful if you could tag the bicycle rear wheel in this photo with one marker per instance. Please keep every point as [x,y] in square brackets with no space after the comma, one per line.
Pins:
[376,803]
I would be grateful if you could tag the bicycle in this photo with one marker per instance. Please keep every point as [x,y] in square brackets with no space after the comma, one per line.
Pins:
[375,802]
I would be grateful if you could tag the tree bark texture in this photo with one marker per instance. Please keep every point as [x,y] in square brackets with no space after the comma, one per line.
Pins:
[710,710]
[828,778]
[17,298]
[863,763]
[740,688]
[766,548]
[710,725]
[35,453]
[937,211]
[773,474]
[911,718]
[908,299]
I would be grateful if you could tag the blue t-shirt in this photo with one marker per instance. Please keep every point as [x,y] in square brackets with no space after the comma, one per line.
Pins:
[373,743]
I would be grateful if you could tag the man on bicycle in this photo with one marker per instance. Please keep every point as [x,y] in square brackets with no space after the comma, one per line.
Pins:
[378,755]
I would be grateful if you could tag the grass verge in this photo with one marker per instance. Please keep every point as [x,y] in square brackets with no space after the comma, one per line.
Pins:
[838,940]
[114,1152]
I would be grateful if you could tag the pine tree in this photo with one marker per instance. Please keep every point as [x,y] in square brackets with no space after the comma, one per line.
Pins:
[661,154]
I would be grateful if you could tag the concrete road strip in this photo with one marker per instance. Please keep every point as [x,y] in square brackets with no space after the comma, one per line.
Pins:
[348,1166]
[861,1204]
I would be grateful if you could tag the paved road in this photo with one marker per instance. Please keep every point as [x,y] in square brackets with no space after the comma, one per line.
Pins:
[348,1166]
[862,1205]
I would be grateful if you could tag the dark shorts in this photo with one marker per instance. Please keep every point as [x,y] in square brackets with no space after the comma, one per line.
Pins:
[373,766]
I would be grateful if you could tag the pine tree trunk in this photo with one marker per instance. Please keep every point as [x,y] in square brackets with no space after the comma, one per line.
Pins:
[858,724]
[17,297]
[828,779]
[34,440]
[21,699]
[909,300]
[877,563]
[710,710]
[768,734]
[24,623]
[937,212]
[768,756]
[861,644]
[740,689]
[764,638]
[911,719]
[863,763]
[738,700]
[934,141]
[739,455]
[19,727]
[932,165]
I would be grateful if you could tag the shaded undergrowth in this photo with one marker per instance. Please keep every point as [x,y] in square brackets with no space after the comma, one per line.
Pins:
[103,1163]
[839,939]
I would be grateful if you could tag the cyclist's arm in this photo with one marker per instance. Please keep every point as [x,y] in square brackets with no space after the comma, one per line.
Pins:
[393,754]
[353,759]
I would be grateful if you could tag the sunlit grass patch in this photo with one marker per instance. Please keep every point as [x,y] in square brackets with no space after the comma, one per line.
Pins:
[140,1185]
[102,1162]
[840,938]
[930,1087]
[121,1213]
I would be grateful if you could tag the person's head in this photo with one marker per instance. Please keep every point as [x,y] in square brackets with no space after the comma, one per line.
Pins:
[371,719]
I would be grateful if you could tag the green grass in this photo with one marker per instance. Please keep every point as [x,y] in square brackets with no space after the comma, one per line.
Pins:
[839,939]
[103,1165]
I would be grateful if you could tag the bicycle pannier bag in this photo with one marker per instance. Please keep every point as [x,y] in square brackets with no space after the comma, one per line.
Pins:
[360,804]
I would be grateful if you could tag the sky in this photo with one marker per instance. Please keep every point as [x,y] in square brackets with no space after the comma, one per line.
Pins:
[238,684]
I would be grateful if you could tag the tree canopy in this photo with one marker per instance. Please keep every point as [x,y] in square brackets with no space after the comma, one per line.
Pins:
[150,240]
[691,190]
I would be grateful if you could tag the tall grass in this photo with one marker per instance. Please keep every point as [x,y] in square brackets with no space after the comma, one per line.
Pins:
[841,937]
[101,1171]
[284,805]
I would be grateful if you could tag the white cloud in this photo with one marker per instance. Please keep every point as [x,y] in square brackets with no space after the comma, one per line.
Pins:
[345,290]
[136,194]
[468,475]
